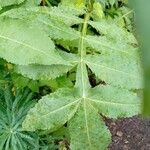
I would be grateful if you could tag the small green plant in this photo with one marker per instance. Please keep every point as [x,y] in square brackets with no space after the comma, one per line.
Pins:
[78,40]
[13,109]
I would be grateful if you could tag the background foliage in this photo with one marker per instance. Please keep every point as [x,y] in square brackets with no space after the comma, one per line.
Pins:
[78,59]
[143,22]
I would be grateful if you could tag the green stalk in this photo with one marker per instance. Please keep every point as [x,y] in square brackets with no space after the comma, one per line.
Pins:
[82,77]
[82,49]
[48,3]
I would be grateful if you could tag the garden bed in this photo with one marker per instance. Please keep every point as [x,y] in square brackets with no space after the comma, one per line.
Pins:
[129,134]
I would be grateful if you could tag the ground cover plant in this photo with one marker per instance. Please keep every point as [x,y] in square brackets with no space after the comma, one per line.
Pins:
[86,52]
[13,110]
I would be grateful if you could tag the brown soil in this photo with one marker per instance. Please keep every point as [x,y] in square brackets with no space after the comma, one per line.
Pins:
[129,134]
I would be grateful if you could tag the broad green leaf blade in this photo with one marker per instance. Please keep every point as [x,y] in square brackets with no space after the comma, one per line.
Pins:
[112,30]
[52,111]
[82,80]
[69,57]
[87,129]
[114,39]
[18,44]
[105,45]
[117,70]
[62,14]
[43,72]
[56,25]
[115,102]
[55,22]
[58,30]
[65,15]
[47,72]
[72,10]
[4,3]
[31,3]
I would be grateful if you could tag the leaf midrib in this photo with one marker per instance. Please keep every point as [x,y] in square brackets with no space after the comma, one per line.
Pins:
[21,43]
[86,124]
[82,52]
[60,108]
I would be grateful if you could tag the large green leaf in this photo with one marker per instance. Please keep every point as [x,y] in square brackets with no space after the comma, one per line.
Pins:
[4,3]
[31,3]
[64,14]
[104,45]
[56,109]
[112,30]
[18,44]
[113,39]
[47,72]
[115,102]
[55,21]
[111,56]
[59,31]
[116,70]
[43,72]
[87,129]
[52,111]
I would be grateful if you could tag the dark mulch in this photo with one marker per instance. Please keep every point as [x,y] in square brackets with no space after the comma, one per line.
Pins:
[129,134]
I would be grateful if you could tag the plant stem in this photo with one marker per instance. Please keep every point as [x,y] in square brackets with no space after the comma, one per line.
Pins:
[82,50]
[82,80]
[48,3]
[43,2]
